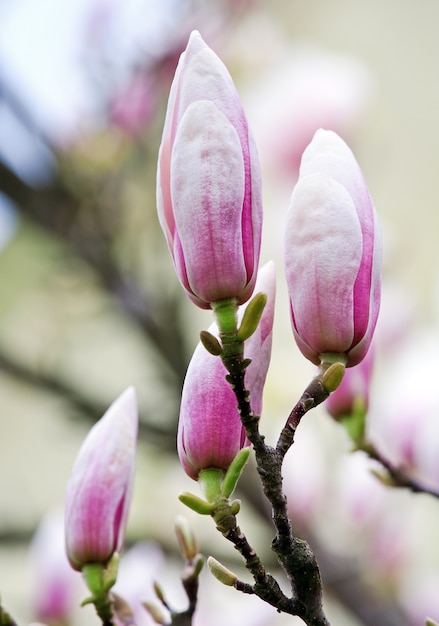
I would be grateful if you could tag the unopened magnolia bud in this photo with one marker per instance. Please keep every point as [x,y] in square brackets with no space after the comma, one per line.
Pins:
[210,342]
[333,253]
[221,572]
[209,198]
[252,316]
[210,431]
[100,486]
[186,539]
[333,376]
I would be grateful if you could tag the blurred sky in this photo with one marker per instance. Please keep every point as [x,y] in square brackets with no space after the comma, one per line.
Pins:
[57,56]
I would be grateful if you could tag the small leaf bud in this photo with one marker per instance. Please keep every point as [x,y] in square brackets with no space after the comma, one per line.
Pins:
[234,472]
[333,376]
[221,572]
[198,564]
[211,343]
[235,507]
[122,609]
[159,592]
[186,539]
[195,503]
[156,613]
[252,316]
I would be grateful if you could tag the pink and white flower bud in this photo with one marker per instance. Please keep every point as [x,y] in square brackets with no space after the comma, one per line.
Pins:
[100,486]
[210,433]
[333,254]
[208,181]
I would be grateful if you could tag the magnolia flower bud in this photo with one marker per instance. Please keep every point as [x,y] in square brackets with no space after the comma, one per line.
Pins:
[332,254]
[100,486]
[208,182]
[210,433]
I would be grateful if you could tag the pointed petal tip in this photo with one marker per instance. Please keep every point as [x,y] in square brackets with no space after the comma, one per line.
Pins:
[127,402]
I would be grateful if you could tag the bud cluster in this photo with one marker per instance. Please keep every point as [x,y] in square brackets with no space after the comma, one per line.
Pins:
[210,208]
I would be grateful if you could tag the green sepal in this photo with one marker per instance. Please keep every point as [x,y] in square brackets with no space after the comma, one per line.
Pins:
[110,572]
[234,472]
[252,316]
[430,622]
[195,503]
[355,423]
[93,574]
[99,580]
[211,343]
[210,480]
[226,314]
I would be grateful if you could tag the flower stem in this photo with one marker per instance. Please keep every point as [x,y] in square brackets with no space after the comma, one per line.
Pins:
[294,555]
[94,577]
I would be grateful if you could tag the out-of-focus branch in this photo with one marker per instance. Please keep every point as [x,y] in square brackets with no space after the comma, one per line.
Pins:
[86,406]
[342,577]
[58,210]
[396,476]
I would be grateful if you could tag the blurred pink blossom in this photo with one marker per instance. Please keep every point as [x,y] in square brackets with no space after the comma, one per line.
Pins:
[310,89]
[56,587]
[133,105]
[353,389]
[359,493]
[139,568]
[305,476]
[403,420]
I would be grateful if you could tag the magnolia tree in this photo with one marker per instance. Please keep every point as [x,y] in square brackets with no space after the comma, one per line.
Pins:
[210,209]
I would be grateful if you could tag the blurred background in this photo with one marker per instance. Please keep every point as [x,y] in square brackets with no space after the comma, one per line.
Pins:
[89,303]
